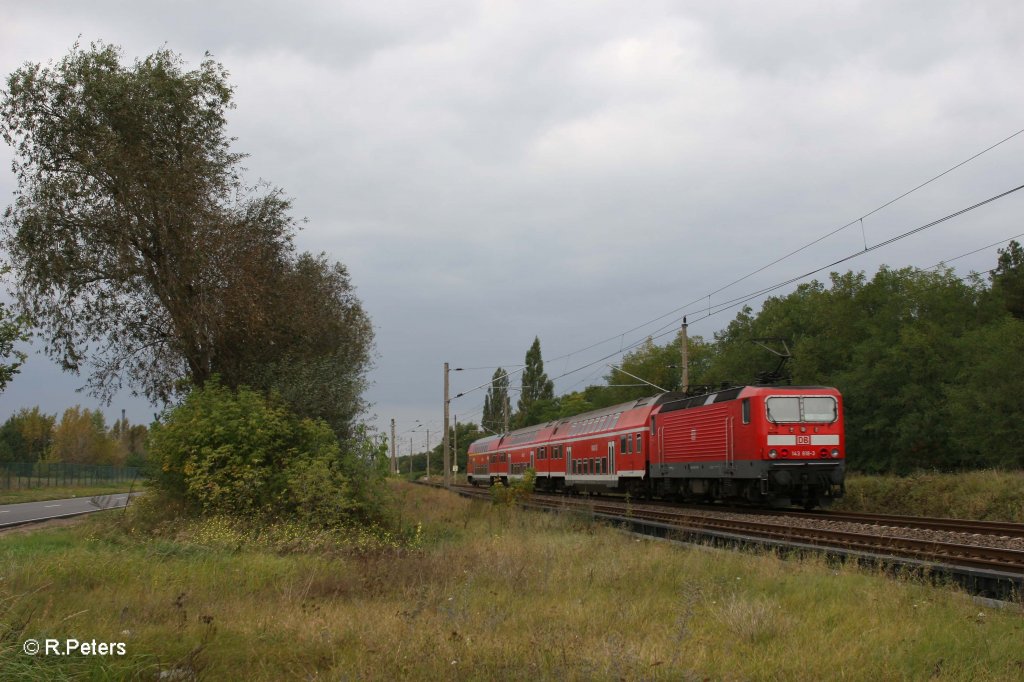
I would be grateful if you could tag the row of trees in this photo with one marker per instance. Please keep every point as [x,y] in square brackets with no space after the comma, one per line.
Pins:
[80,437]
[928,364]
[536,402]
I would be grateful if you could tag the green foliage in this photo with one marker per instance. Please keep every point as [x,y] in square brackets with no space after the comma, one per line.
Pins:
[13,330]
[131,439]
[497,409]
[225,451]
[986,422]
[81,438]
[517,491]
[987,495]
[574,403]
[892,345]
[537,395]
[131,225]
[26,436]
[1008,279]
[928,363]
[317,342]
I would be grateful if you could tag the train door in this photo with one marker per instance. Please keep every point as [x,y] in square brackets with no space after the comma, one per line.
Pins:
[611,457]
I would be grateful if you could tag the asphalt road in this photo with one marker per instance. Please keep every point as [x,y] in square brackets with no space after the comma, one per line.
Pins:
[16,514]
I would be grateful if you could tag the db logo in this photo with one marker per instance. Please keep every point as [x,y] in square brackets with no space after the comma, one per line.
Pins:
[803,440]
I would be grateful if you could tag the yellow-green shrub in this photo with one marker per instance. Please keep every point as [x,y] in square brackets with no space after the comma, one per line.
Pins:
[227,451]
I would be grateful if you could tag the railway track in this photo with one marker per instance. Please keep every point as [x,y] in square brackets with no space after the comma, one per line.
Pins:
[983,551]
[999,528]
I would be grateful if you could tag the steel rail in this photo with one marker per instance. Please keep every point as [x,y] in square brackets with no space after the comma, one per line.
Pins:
[1000,528]
[688,520]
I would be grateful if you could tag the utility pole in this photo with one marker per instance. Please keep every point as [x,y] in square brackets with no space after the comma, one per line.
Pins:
[684,343]
[447,462]
[506,413]
[410,456]
[428,454]
[455,447]
[394,450]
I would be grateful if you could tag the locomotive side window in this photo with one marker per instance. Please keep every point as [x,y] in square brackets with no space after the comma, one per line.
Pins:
[746,410]
[820,408]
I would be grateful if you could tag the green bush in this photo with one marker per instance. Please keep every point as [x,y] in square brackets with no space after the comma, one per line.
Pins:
[517,491]
[224,451]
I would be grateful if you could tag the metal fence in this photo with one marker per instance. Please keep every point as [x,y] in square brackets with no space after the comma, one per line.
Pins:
[15,475]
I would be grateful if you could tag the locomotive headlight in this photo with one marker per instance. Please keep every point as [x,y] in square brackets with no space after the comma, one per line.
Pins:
[772,453]
[835,452]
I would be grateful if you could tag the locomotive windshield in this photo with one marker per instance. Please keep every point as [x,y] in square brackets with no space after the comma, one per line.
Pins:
[818,408]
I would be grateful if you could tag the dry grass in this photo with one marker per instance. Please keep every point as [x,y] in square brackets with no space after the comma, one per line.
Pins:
[491,593]
[986,495]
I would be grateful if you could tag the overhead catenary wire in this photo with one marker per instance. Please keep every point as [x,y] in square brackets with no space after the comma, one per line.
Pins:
[717,308]
[806,246]
[722,307]
[971,253]
[740,300]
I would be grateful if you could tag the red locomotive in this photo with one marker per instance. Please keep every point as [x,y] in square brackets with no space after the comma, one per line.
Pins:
[762,444]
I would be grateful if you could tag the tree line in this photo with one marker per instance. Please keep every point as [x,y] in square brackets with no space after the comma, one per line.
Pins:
[928,364]
[80,437]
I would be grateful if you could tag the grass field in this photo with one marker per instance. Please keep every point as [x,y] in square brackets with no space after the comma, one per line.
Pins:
[62,492]
[479,592]
[984,495]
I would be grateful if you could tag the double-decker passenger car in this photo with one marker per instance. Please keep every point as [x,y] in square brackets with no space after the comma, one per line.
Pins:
[763,444]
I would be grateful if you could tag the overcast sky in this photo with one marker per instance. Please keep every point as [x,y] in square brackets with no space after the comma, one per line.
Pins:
[494,171]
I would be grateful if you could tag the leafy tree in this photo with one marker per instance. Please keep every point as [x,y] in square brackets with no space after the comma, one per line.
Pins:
[26,436]
[984,403]
[36,429]
[496,403]
[131,441]
[538,392]
[81,438]
[574,403]
[1008,279]
[659,365]
[12,443]
[316,346]
[131,226]
[889,344]
[12,331]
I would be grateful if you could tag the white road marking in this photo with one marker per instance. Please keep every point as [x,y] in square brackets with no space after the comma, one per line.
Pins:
[50,505]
